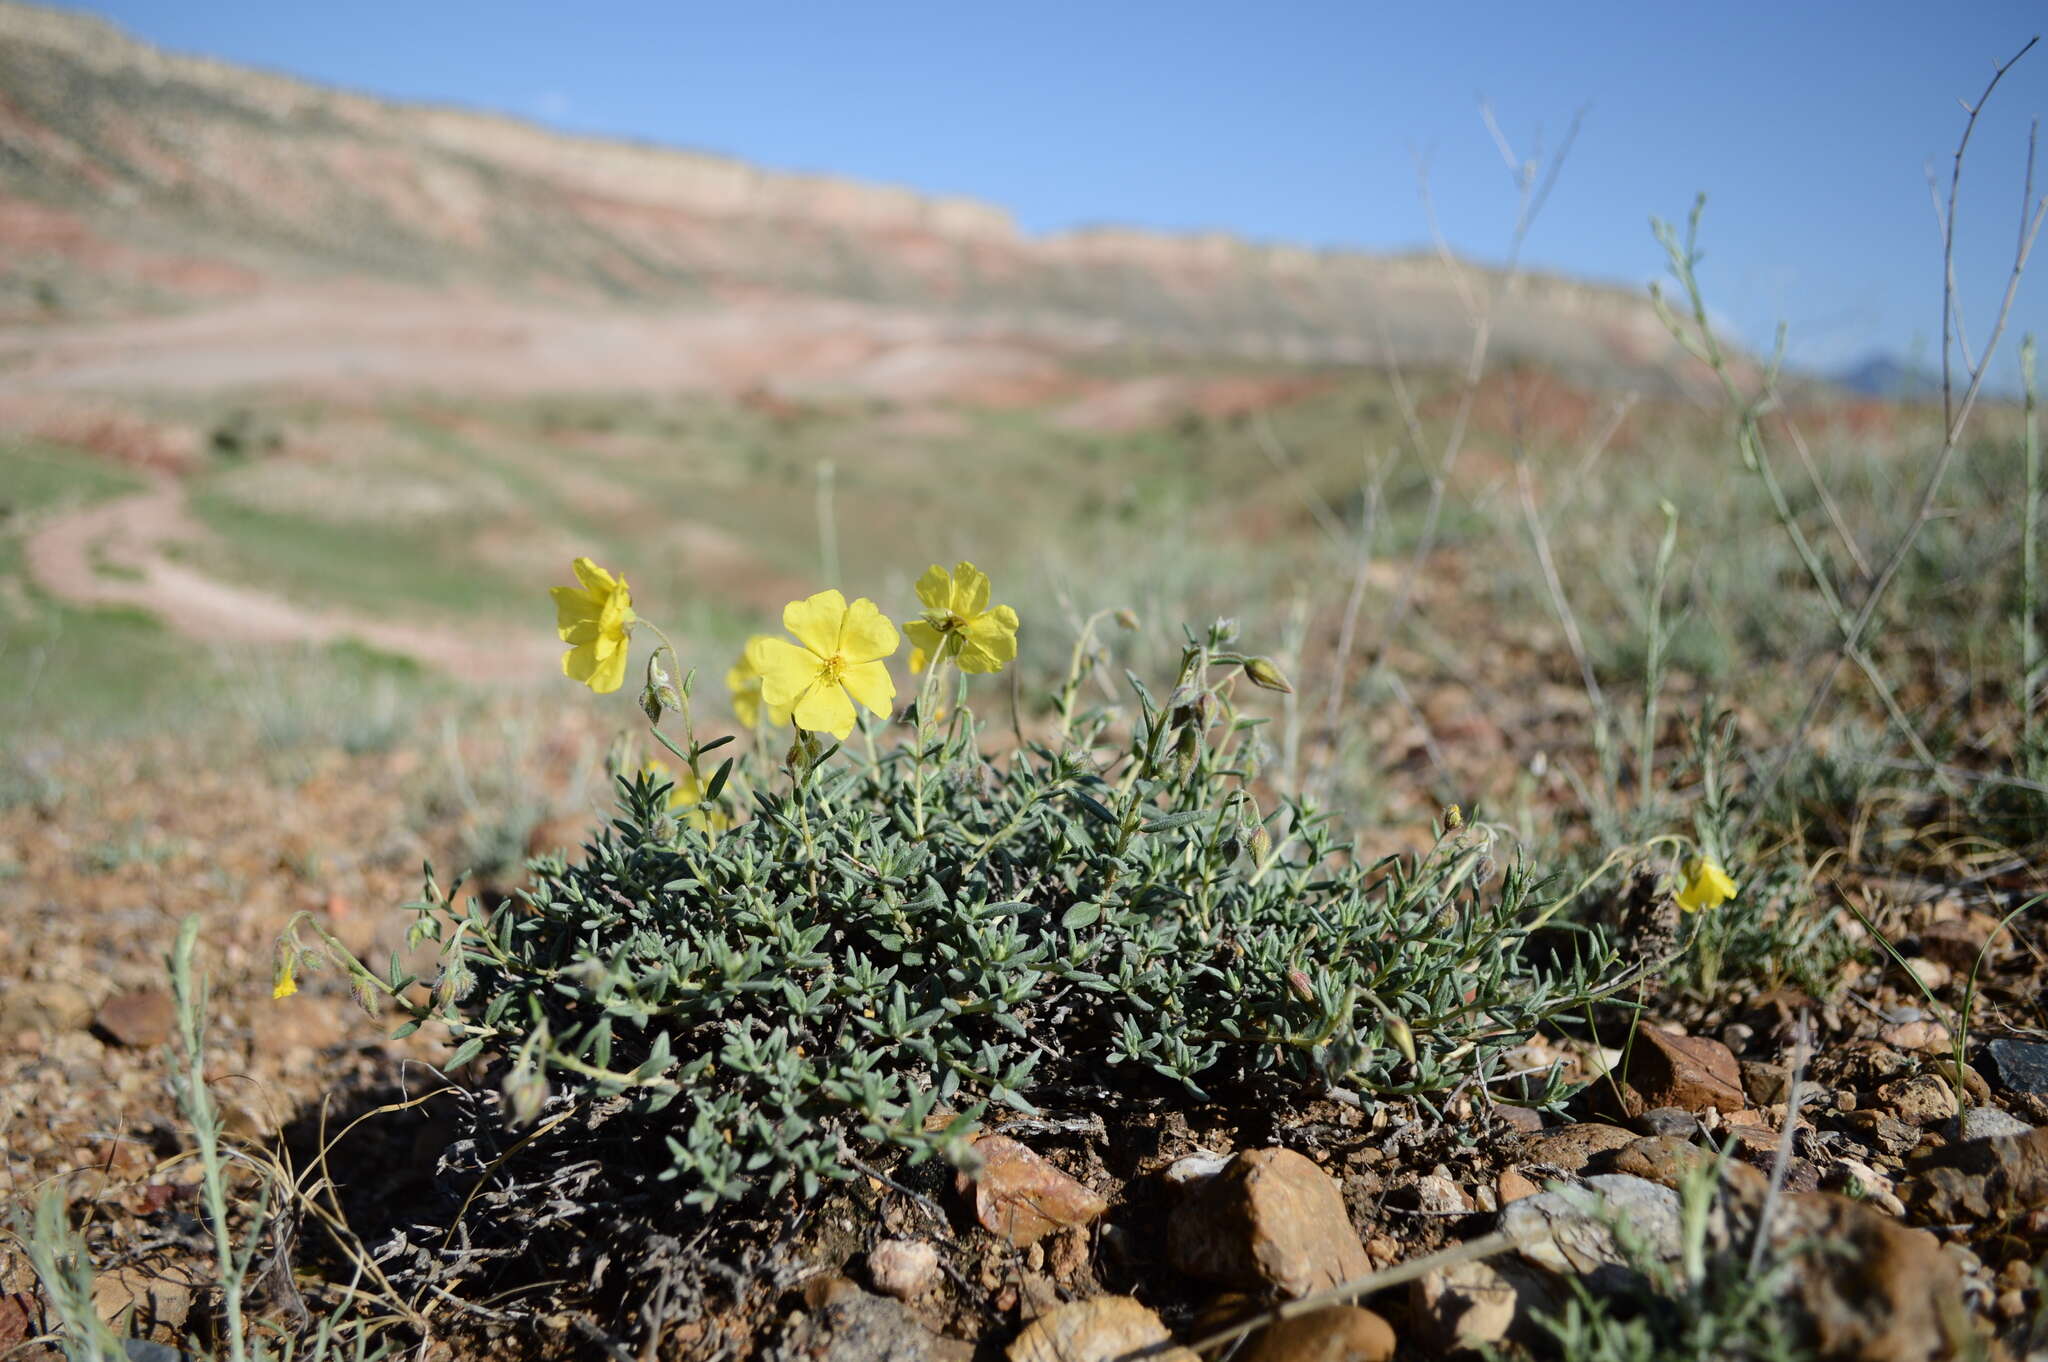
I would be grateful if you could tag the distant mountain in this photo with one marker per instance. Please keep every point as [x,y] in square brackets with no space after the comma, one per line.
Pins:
[1889,377]
[135,179]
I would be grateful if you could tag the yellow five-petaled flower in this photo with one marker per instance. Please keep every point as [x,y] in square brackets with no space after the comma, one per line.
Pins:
[959,623]
[594,622]
[839,661]
[1706,885]
[744,681]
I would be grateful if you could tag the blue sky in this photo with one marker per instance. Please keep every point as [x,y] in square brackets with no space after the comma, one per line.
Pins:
[1810,126]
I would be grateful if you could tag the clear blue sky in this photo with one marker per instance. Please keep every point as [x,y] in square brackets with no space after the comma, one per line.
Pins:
[1810,126]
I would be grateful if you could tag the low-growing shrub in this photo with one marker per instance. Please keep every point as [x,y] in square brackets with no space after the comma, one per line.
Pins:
[893,940]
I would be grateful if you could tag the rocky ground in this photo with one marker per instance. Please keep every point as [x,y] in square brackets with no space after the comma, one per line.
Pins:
[1916,1229]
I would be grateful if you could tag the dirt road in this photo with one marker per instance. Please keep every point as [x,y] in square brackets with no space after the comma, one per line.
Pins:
[115,554]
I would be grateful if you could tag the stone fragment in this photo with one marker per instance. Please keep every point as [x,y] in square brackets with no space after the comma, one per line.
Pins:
[1478,1304]
[1673,1121]
[845,1324]
[1568,1149]
[42,1006]
[1566,1230]
[1513,1185]
[139,1018]
[1101,1329]
[1342,1333]
[1437,1194]
[1981,1123]
[17,1319]
[2021,1065]
[1020,1197]
[154,1301]
[1528,1120]
[903,1268]
[1872,1290]
[1922,1100]
[1666,1161]
[2001,1178]
[1882,1131]
[1690,1072]
[1190,1169]
[1765,1084]
[1927,1037]
[1269,1219]
[1870,1185]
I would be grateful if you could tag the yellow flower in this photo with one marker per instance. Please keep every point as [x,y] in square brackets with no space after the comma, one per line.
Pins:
[594,621]
[839,662]
[959,622]
[744,681]
[287,980]
[686,796]
[1706,885]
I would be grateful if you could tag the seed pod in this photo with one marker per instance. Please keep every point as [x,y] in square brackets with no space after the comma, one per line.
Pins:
[1266,675]
[650,704]
[1262,844]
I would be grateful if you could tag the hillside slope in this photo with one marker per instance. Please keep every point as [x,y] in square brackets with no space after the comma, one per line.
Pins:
[131,178]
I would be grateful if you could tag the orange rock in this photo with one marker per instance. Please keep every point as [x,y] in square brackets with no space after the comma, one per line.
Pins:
[1270,1219]
[1022,1198]
[1342,1333]
[1689,1072]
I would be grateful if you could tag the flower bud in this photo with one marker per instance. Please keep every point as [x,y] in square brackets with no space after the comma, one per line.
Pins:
[526,1094]
[1128,618]
[1266,675]
[1299,982]
[1454,817]
[1262,844]
[1401,1036]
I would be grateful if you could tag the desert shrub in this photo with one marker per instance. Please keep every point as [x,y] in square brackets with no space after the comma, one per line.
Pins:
[892,941]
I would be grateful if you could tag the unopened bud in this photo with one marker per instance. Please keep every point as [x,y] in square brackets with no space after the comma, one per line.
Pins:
[1222,631]
[803,751]
[1299,982]
[1266,675]
[1403,1038]
[526,1093]
[1128,618]
[360,992]
[1262,844]
[1454,817]
[1187,748]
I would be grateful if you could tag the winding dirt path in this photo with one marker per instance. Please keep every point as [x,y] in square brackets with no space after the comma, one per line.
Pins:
[113,554]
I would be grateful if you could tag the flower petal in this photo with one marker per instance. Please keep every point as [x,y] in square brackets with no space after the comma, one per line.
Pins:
[935,588]
[579,663]
[816,621]
[825,710]
[787,671]
[867,634]
[572,608]
[594,578]
[871,684]
[990,642]
[609,674]
[970,590]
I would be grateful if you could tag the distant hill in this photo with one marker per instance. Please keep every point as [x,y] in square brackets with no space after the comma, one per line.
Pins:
[135,179]
[1889,377]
